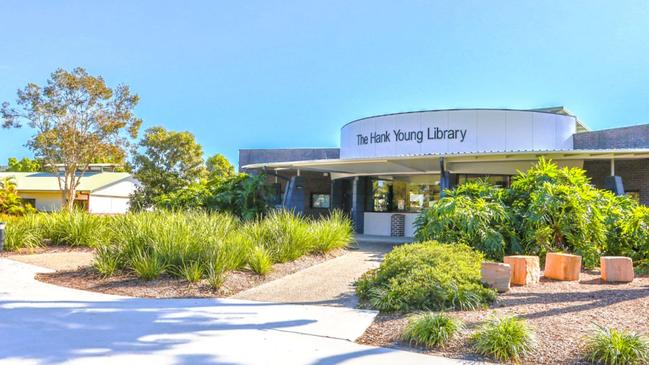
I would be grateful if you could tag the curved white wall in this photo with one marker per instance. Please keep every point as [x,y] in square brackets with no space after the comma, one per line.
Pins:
[456,131]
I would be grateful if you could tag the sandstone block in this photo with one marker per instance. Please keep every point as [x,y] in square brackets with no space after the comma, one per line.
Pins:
[562,266]
[525,269]
[616,269]
[496,275]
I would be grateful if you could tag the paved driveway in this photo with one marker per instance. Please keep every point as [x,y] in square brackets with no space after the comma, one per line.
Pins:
[47,324]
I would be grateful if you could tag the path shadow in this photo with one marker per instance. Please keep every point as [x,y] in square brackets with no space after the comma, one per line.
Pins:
[52,332]
[583,300]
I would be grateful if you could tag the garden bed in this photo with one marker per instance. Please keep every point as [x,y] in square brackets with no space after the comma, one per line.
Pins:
[560,313]
[128,284]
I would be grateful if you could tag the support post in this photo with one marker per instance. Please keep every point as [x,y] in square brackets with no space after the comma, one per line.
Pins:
[358,203]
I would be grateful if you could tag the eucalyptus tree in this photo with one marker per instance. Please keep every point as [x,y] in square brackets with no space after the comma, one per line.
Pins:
[77,120]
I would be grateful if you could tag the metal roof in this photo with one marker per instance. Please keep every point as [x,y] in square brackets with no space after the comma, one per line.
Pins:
[429,163]
[45,181]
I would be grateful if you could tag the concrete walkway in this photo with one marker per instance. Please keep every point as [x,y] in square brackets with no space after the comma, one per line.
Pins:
[328,283]
[46,324]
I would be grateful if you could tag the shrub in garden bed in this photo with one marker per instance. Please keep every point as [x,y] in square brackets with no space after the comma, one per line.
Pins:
[613,347]
[426,276]
[546,209]
[431,330]
[504,339]
[191,245]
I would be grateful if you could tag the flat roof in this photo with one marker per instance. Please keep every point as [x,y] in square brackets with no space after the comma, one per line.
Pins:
[429,163]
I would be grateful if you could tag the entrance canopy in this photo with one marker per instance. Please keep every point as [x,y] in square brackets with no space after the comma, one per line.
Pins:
[460,163]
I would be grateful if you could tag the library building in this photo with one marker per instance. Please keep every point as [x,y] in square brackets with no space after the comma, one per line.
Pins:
[390,167]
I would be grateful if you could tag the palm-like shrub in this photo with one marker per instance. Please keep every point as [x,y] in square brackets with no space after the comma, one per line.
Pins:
[546,209]
[613,347]
[431,330]
[504,339]
[476,221]
[426,276]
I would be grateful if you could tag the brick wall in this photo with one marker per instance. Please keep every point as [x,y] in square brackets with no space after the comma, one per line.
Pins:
[634,173]
[626,137]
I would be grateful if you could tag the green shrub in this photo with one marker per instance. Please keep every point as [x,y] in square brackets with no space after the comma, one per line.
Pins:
[260,261]
[192,272]
[77,228]
[24,232]
[546,209]
[332,232]
[107,260]
[504,339]
[613,347]
[475,221]
[426,276]
[148,266]
[431,330]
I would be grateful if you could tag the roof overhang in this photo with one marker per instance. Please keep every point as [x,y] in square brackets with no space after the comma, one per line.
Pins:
[430,163]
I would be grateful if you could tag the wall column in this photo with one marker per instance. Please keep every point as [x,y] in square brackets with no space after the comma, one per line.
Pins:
[358,202]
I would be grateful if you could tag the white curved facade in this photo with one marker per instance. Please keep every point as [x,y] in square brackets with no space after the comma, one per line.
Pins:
[457,131]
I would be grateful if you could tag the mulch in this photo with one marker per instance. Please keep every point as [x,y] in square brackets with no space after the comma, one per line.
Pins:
[560,313]
[128,284]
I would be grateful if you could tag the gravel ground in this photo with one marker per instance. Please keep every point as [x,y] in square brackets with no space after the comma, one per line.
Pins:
[127,284]
[560,313]
[56,258]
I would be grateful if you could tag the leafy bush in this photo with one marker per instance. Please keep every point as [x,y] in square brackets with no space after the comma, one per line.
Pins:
[77,228]
[476,221]
[504,339]
[426,276]
[106,261]
[24,232]
[10,201]
[546,209]
[613,347]
[148,266]
[260,261]
[332,232]
[431,330]
[191,245]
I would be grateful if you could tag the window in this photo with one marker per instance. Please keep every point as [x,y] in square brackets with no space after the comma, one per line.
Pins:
[28,201]
[321,201]
[502,181]
[406,195]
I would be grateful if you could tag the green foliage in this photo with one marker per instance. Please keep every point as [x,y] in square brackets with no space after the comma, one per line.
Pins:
[25,232]
[10,201]
[77,120]
[191,245]
[192,271]
[218,167]
[504,339]
[546,209]
[24,165]
[147,266]
[431,330]
[332,232]
[170,161]
[106,261]
[426,276]
[77,228]
[481,223]
[243,195]
[613,347]
[260,261]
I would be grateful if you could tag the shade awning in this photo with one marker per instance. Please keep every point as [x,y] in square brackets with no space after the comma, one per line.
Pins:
[484,162]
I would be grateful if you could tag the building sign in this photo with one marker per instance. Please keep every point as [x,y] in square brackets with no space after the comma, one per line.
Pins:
[456,131]
[399,135]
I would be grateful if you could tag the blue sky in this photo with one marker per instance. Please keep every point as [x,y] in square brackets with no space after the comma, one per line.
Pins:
[269,74]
